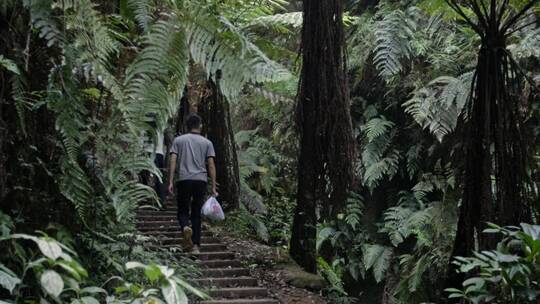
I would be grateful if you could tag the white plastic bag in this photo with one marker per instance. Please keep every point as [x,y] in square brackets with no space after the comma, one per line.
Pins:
[212,210]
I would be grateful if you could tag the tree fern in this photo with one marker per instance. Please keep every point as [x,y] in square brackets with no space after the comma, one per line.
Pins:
[232,53]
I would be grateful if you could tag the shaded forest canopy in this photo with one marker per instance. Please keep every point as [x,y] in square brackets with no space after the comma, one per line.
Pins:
[388,146]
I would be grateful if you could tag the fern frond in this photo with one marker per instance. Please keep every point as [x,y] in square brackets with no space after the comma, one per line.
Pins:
[232,53]
[141,8]
[392,37]
[292,19]
[401,222]
[377,258]
[354,211]
[42,20]
[76,187]
[527,47]
[438,106]
[387,166]
[377,127]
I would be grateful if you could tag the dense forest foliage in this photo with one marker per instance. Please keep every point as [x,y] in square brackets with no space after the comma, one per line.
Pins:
[389,146]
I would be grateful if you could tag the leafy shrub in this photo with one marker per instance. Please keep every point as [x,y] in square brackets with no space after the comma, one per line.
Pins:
[53,273]
[241,224]
[509,274]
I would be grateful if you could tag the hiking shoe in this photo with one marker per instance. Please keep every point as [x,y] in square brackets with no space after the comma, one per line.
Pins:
[186,235]
[195,249]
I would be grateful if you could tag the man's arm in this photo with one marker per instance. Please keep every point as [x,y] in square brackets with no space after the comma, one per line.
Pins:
[172,167]
[212,173]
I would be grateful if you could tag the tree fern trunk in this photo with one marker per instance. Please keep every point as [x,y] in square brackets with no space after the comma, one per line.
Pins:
[324,122]
[217,126]
[494,144]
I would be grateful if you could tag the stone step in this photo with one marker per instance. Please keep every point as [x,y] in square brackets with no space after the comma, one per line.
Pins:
[157,224]
[174,238]
[170,228]
[239,292]
[205,247]
[227,282]
[225,272]
[213,247]
[219,255]
[221,264]
[241,301]
[156,212]
[156,217]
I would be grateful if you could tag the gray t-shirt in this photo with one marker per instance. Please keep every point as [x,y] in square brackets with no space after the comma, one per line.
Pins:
[192,150]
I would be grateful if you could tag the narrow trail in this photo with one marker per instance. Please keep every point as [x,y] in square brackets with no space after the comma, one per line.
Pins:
[224,277]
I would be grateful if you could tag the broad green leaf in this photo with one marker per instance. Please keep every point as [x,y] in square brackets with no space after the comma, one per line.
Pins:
[8,279]
[153,272]
[323,235]
[478,283]
[173,294]
[52,282]
[532,230]
[49,248]
[89,300]
[9,65]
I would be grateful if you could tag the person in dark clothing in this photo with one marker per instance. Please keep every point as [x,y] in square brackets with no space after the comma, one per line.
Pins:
[190,154]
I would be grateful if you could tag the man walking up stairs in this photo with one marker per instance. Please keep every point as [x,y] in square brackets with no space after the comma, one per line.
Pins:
[192,152]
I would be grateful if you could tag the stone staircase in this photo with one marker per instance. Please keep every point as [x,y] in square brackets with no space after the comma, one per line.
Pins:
[224,277]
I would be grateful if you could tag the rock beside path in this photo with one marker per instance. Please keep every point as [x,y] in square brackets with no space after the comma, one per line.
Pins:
[297,277]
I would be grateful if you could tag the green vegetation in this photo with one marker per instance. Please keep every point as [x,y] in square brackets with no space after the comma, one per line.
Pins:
[374,140]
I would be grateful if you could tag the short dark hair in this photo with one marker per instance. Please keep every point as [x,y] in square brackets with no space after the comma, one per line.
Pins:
[193,121]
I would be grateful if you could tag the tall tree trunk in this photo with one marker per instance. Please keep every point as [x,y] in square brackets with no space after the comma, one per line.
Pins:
[494,144]
[324,122]
[214,109]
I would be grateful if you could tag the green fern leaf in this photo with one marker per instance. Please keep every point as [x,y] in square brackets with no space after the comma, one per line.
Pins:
[377,258]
